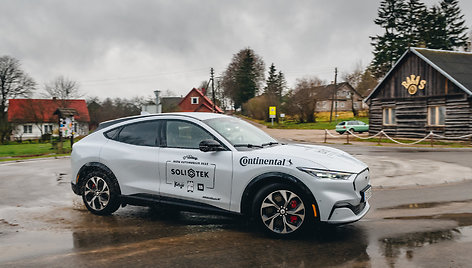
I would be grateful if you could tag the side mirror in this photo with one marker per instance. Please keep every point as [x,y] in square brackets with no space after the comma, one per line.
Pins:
[210,145]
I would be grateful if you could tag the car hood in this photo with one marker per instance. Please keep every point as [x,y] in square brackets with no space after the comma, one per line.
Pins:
[322,157]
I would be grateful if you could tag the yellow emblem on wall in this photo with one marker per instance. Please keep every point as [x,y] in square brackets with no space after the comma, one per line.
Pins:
[413,83]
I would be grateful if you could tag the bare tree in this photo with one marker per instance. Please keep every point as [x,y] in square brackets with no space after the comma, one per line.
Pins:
[302,101]
[62,88]
[13,83]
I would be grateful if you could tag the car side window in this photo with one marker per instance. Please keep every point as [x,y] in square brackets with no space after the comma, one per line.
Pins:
[142,133]
[181,134]
[341,124]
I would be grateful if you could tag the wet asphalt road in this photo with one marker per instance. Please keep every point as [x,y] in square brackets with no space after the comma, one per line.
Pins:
[43,224]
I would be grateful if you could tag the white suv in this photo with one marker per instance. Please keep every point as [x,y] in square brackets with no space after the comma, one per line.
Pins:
[217,163]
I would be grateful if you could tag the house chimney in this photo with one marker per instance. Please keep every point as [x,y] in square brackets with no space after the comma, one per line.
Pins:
[158,102]
[54,98]
[204,91]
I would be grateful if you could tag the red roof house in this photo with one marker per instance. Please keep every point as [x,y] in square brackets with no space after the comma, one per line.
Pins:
[196,101]
[34,117]
[32,110]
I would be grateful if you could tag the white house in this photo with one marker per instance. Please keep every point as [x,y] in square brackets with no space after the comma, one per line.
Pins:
[31,118]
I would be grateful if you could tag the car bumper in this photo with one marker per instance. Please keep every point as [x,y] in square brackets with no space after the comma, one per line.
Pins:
[75,188]
[344,213]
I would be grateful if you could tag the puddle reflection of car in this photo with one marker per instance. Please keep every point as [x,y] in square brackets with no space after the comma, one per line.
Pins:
[219,164]
[352,126]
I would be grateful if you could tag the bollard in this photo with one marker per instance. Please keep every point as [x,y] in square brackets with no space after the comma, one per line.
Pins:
[347,137]
[380,138]
[325,136]
[432,141]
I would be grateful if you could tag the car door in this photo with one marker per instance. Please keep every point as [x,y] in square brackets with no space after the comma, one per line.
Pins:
[131,154]
[186,173]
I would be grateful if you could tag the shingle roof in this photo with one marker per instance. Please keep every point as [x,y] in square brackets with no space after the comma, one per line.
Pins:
[455,66]
[208,103]
[326,92]
[33,110]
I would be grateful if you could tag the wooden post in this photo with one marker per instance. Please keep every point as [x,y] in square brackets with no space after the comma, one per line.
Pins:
[432,140]
[380,138]
[327,137]
[347,138]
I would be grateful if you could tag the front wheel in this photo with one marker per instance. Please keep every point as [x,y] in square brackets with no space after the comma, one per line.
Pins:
[282,210]
[101,193]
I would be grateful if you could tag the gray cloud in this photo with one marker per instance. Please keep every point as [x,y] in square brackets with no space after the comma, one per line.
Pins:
[132,47]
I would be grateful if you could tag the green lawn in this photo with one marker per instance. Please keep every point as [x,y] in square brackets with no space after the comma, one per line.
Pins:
[291,124]
[27,149]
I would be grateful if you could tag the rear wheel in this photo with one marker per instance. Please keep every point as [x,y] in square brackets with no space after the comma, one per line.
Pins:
[101,193]
[282,210]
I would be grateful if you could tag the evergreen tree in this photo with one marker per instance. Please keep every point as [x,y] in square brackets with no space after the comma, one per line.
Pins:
[433,30]
[413,19]
[243,77]
[456,31]
[275,83]
[389,47]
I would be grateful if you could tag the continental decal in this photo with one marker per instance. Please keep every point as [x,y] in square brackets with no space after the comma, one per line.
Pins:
[244,161]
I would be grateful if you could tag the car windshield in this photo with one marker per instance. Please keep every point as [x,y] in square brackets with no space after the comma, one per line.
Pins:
[240,133]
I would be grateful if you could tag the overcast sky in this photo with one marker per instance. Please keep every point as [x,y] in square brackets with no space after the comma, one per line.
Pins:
[126,48]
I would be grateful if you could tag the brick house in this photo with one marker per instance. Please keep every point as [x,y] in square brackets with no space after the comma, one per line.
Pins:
[196,101]
[33,117]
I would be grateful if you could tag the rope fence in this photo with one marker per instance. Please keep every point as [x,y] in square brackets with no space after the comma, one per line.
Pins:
[382,133]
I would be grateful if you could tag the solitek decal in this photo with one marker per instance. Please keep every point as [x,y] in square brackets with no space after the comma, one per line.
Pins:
[244,161]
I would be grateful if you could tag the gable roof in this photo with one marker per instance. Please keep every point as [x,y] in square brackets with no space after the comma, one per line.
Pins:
[208,104]
[326,92]
[42,110]
[455,66]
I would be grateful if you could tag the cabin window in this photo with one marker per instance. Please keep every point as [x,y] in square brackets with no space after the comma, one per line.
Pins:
[436,115]
[47,129]
[389,116]
[194,100]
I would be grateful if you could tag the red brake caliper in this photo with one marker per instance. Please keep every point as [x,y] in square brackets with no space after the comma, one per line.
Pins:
[293,204]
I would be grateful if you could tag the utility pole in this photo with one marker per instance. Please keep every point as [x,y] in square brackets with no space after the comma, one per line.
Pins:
[212,78]
[334,97]
[336,94]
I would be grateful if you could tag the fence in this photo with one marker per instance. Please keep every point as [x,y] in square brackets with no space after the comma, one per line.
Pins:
[382,133]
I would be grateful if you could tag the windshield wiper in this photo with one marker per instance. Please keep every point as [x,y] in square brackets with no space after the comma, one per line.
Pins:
[248,145]
[270,143]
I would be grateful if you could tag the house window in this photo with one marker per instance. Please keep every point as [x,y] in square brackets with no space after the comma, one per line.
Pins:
[436,115]
[28,129]
[389,116]
[194,100]
[47,129]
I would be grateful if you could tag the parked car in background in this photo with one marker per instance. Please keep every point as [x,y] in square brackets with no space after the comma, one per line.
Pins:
[353,126]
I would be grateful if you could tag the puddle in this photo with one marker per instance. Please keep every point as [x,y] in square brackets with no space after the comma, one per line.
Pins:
[425,205]
[21,245]
[409,249]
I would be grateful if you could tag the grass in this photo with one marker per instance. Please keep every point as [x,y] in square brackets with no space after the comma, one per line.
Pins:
[322,121]
[30,149]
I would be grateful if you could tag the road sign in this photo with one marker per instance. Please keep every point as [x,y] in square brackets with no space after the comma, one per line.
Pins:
[272,112]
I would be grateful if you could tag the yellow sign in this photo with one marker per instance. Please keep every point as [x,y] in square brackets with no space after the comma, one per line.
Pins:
[272,110]
[413,83]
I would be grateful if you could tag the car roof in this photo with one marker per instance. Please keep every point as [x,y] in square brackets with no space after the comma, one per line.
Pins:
[195,115]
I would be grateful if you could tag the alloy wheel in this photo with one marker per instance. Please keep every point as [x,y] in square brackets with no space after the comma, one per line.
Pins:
[282,211]
[97,193]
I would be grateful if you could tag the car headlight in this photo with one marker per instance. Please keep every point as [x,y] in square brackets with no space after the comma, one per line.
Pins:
[325,174]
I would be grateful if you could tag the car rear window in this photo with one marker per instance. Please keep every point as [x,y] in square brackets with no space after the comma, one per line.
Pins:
[142,133]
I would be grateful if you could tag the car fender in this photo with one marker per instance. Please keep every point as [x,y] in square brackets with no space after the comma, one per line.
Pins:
[272,177]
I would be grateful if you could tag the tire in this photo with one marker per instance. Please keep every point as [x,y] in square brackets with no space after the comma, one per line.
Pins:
[340,132]
[101,194]
[351,130]
[282,210]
